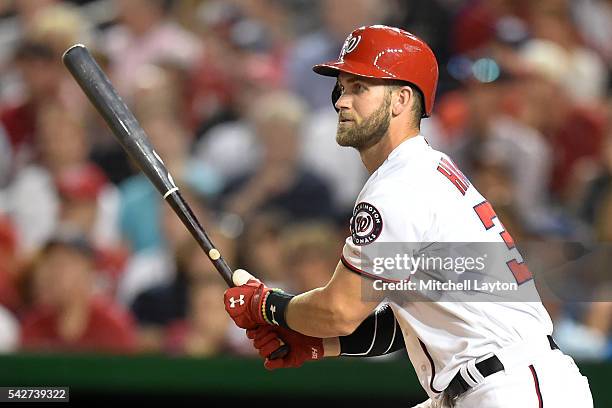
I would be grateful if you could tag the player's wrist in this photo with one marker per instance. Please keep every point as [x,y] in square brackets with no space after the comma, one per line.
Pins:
[331,347]
[274,307]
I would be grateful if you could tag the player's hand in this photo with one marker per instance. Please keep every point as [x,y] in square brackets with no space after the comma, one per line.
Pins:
[301,347]
[244,303]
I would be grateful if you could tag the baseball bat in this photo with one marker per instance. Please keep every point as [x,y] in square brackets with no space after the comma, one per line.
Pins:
[132,137]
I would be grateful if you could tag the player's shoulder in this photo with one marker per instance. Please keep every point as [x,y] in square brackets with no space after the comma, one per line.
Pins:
[394,188]
[412,166]
[418,180]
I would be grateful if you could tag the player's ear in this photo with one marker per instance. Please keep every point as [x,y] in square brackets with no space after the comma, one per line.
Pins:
[401,100]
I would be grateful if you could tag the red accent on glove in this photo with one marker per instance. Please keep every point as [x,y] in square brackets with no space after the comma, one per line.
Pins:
[301,347]
[244,304]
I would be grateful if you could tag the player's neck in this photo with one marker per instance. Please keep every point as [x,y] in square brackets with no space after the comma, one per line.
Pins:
[374,156]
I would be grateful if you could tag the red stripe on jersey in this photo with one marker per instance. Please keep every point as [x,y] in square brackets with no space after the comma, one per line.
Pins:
[537,386]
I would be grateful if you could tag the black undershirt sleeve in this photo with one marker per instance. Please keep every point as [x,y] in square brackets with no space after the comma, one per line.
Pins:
[377,335]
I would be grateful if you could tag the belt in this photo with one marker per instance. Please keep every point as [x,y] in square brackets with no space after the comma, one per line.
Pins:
[487,367]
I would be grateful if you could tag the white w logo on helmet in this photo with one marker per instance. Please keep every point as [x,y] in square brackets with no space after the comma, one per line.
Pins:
[349,45]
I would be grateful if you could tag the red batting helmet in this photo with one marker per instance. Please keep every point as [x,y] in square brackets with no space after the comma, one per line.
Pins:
[384,52]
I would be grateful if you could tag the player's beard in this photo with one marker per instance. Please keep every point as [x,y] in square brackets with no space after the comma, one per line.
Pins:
[370,131]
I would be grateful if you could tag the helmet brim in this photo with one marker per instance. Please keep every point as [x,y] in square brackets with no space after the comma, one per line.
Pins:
[333,69]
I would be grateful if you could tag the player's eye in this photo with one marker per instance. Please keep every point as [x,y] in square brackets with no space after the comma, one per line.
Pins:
[359,88]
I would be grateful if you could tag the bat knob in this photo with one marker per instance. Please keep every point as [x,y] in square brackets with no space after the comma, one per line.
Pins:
[279,353]
[240,277]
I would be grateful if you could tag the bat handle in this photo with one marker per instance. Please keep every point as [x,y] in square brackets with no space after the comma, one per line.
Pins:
[280,352]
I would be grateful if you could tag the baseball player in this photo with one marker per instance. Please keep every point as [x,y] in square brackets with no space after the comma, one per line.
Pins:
[497,353]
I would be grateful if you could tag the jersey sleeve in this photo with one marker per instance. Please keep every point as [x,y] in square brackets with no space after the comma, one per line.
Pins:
[387,228]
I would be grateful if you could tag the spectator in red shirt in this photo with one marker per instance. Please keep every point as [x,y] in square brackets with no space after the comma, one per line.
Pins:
[8,264]
[37,64]
[66,314]
[88,202]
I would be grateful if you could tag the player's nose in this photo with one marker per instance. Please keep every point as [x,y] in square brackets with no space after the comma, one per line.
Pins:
[343,103]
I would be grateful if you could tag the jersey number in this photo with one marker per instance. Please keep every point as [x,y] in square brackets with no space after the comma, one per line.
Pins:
[519,269]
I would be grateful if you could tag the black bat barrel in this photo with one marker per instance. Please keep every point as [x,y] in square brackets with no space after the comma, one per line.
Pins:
[134,141]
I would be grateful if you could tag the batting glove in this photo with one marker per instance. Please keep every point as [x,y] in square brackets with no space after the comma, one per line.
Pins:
[244,304]
[302,348]
[251,303]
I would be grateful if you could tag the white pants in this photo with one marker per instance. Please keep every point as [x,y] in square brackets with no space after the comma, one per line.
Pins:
[551,380]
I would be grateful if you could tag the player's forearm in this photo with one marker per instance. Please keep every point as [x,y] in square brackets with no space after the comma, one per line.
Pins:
[334,310]
[317,314]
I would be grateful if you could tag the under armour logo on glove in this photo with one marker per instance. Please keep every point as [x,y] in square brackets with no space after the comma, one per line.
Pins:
[244,303]
[233,301]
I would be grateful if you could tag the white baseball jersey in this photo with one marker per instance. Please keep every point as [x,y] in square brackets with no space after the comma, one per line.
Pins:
[418,196]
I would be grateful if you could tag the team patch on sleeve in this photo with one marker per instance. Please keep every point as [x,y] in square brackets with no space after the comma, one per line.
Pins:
[366,224]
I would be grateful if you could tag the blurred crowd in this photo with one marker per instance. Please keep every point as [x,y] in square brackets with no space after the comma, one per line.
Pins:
[91,259]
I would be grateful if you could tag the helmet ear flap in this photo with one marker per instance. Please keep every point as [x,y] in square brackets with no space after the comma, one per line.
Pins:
[335,95]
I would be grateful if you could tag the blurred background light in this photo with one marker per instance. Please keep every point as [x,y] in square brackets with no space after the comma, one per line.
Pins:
[485,70]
